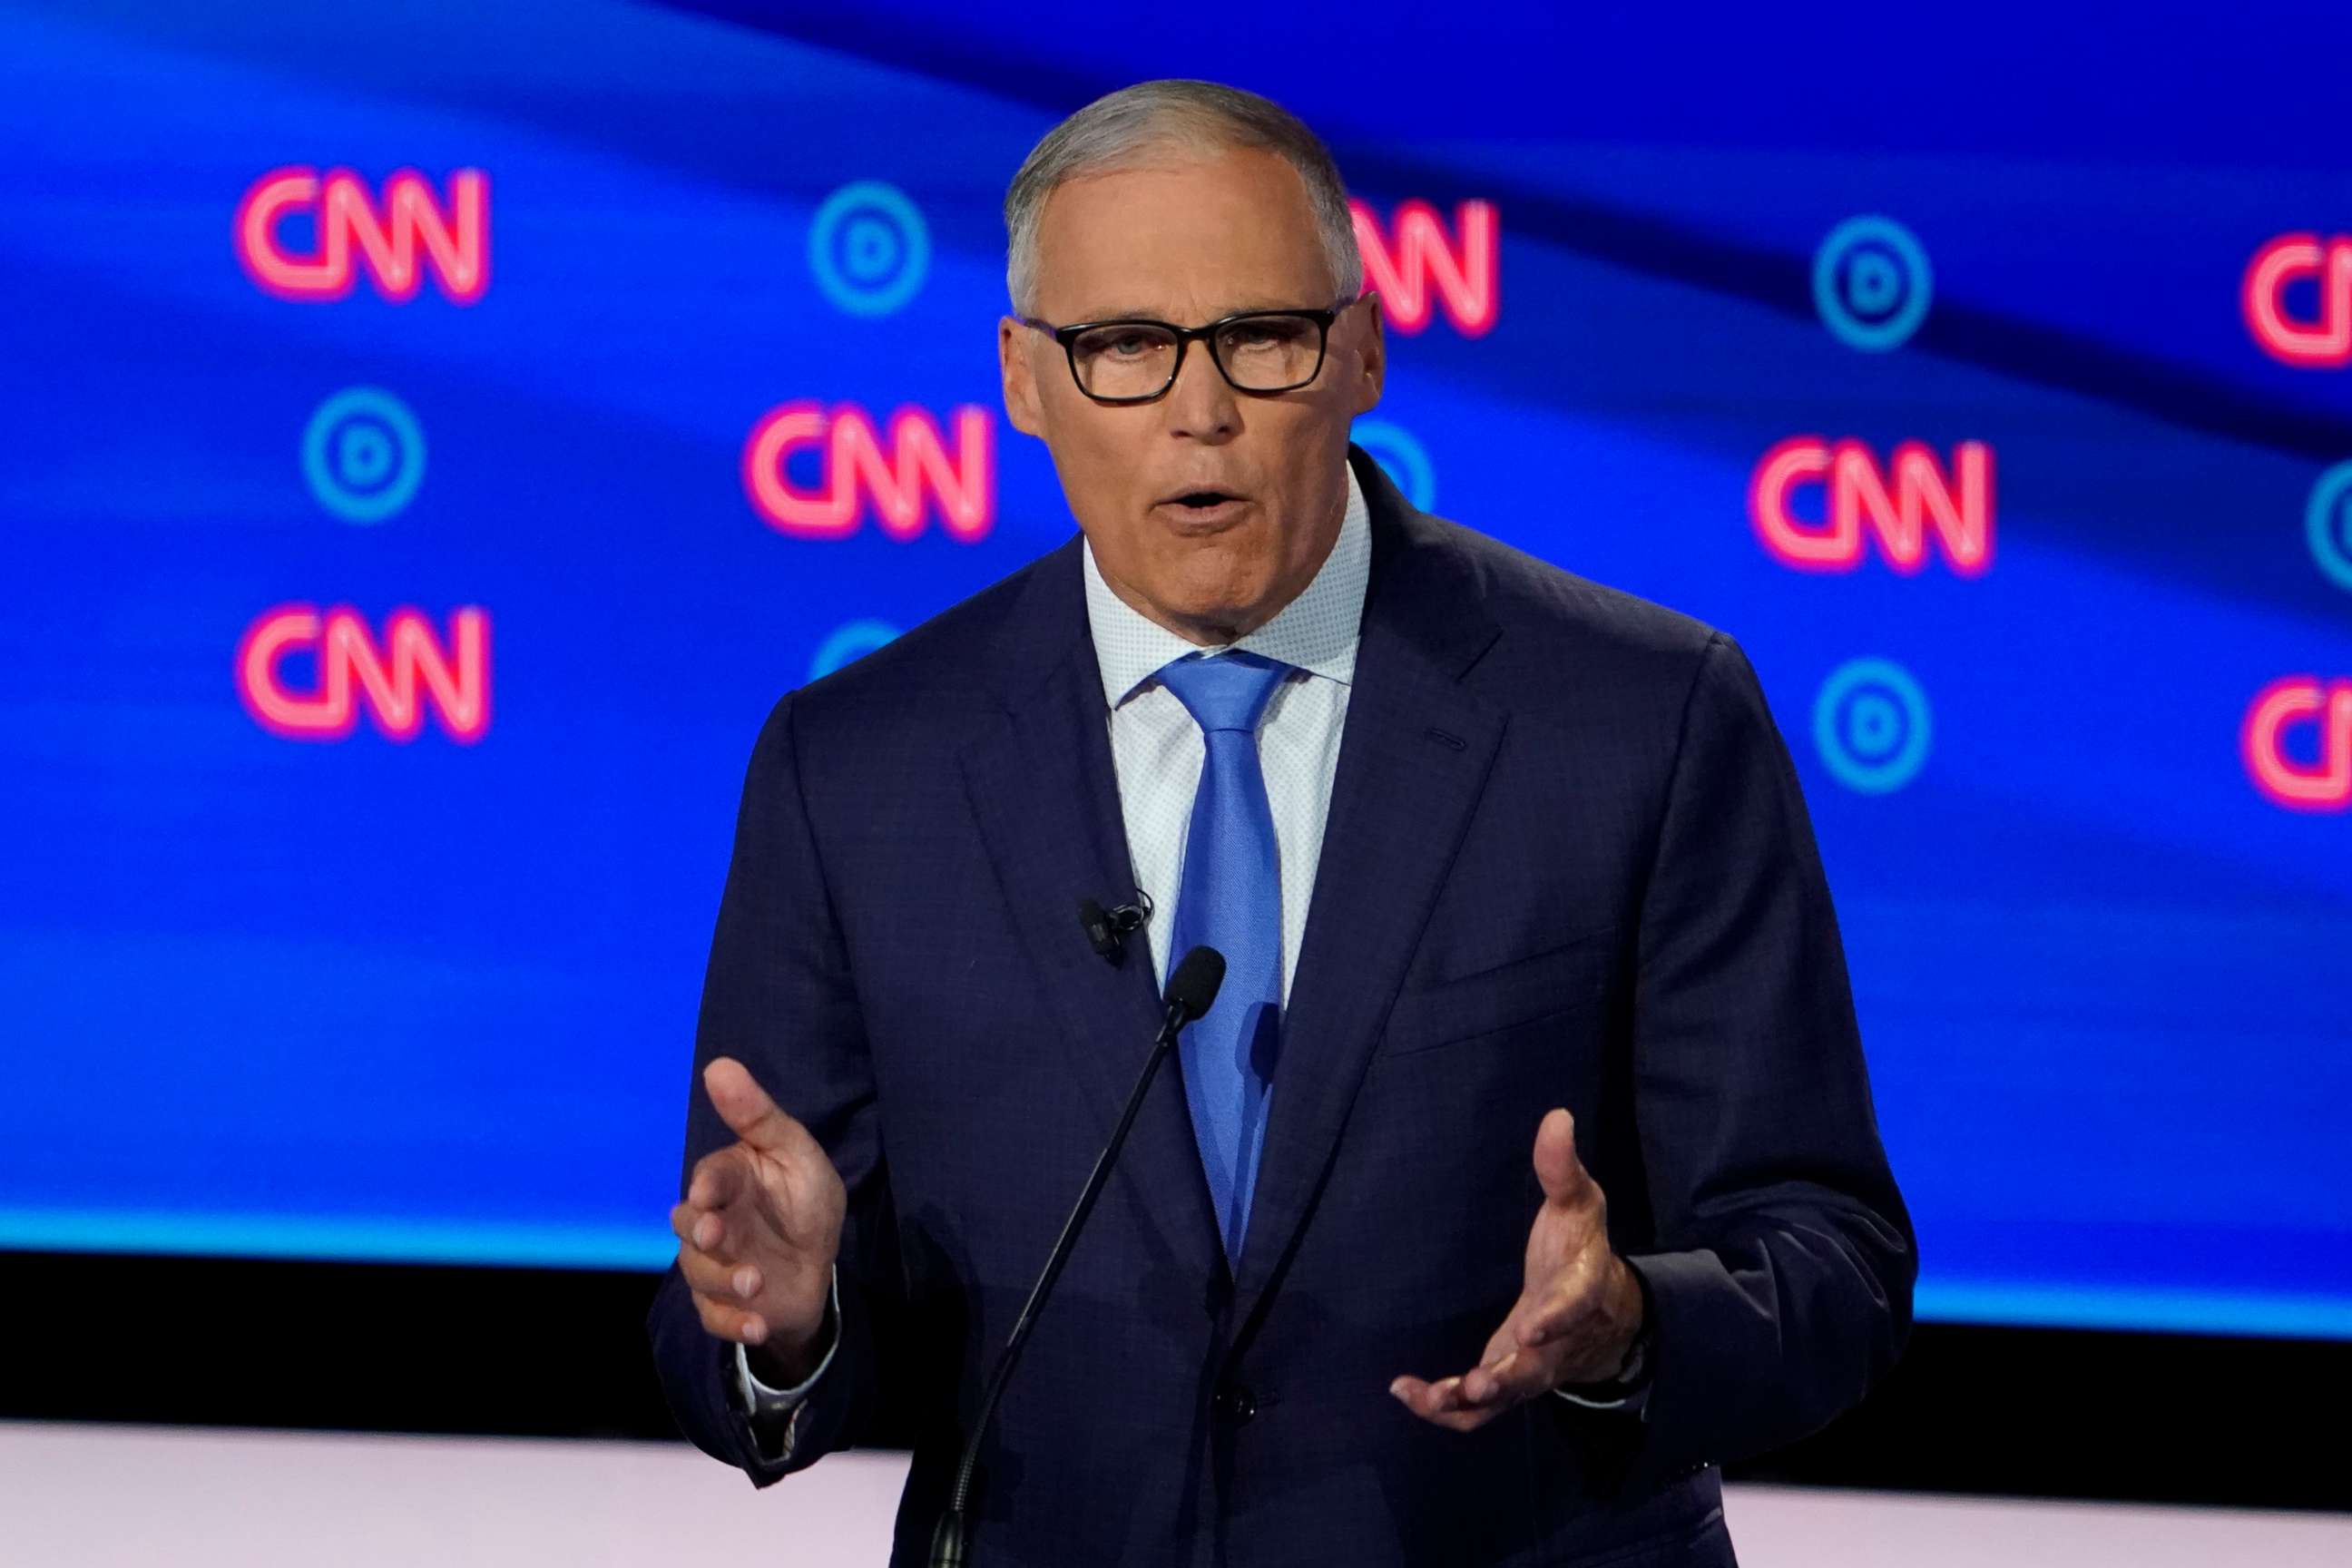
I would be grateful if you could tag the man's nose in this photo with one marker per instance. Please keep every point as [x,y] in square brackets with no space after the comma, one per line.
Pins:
[1202,404]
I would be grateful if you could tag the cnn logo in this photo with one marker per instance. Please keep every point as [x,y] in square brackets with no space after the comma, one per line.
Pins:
[395,680]
[2320,338]
[1419,269]
[898,475]
[396,240]
[2289,706]
[1899,505]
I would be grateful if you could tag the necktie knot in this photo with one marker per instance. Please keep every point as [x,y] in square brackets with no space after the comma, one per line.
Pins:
[1225,692]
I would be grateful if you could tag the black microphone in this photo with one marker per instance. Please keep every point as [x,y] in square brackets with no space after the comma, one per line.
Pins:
[1190,990]
[1106,930]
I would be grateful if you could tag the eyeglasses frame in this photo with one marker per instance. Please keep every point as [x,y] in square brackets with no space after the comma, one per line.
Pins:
[1068,336]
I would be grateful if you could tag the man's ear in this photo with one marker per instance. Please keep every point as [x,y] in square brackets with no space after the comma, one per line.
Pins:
[1372,357]
[1020,378]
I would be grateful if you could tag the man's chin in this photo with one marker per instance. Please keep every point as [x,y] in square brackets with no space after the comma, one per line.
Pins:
[1218,617]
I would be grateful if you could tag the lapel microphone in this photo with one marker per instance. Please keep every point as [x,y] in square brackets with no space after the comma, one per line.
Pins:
[1190,990]
[1107,929]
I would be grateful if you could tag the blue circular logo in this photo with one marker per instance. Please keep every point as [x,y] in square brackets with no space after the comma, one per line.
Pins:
[2327,522]
[1871,725]
[869,248]
[364,454]
[1402,456]
[1872,283]
[846,642]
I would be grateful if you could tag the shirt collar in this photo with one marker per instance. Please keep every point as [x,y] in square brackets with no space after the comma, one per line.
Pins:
[1316,631]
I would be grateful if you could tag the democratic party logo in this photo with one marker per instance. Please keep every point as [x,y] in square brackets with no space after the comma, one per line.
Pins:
[2296,298]
[897,477]
[340,668]
[2327,525]
[1419,269]
[1900,504]
[395,240]
[1872,283]
[868,248]
[846,642]
[1872,725]
[364,454]
[1402,455]
[2297,741]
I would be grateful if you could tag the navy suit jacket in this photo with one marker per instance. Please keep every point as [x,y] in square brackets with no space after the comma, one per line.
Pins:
[1566,863]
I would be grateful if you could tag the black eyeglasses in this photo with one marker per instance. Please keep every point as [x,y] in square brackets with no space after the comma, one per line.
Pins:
[1135,359]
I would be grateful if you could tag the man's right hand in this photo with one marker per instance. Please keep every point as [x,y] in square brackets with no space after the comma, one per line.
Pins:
[759,1230]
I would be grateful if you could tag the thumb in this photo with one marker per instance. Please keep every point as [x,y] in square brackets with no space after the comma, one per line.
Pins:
[746,1109]
[1556,1167]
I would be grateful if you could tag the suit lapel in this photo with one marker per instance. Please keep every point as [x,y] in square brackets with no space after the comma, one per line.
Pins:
[1044,788]
[1414,759]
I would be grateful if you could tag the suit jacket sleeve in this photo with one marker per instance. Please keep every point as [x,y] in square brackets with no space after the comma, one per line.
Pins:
[777,996]
[1782,1256]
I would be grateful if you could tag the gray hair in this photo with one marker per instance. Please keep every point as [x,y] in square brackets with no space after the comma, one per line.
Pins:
[1136,124]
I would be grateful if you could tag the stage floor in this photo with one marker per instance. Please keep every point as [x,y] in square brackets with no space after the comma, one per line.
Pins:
[132,1496]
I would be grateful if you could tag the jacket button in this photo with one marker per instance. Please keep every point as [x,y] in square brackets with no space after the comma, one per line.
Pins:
[1235,1403]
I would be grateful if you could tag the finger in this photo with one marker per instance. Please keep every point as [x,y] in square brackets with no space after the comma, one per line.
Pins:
[727,1282]
[1440,1403]
[685,1217]
[700,1228]
[1557,1166]
[746,1109]
[1442,1406]
[736,1323]
[722,1233]
[1514,1376]
[1500,1344]
[720,1178]
[1553,1320]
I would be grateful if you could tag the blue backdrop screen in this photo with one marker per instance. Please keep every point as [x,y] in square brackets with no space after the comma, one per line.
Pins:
[436,434]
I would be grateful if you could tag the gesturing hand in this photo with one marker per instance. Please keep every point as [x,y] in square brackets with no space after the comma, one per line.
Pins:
[760,1227]
[1576,1316]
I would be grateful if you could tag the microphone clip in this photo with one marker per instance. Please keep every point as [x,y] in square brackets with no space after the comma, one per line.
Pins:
[1107,929]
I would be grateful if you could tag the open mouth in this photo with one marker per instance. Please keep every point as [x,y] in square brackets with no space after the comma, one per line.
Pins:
[1202,501]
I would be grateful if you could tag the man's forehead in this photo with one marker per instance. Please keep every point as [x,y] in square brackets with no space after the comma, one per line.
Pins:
[1209,282]
[1220,235]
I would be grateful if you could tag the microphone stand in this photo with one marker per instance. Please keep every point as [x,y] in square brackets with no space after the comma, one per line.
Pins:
[948,1540]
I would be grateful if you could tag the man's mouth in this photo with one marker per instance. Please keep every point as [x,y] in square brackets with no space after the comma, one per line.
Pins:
[1201,501]
[1202,510]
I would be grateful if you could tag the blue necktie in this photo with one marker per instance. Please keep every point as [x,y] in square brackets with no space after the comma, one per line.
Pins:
[1232,900]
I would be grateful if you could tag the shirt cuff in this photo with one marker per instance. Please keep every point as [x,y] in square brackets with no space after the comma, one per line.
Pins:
[1633,1400]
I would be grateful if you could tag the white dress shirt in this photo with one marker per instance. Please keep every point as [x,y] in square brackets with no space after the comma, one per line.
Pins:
[1156,751]
[1157,747]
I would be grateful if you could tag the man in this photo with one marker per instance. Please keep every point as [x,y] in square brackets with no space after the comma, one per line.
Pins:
[1521,908]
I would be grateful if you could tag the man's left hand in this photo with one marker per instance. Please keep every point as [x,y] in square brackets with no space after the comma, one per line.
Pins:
[1576,1317]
